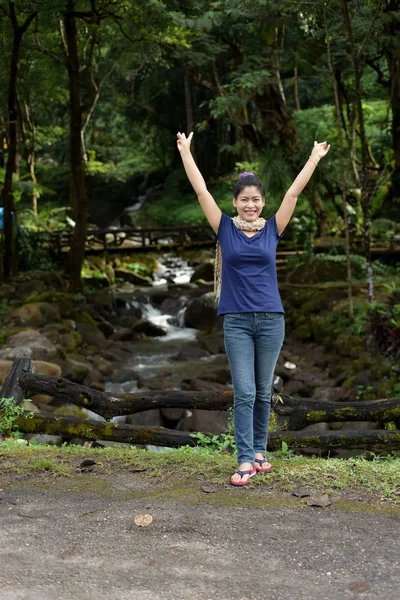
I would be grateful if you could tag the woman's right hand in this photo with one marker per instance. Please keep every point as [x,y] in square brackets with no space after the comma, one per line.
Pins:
[183,142]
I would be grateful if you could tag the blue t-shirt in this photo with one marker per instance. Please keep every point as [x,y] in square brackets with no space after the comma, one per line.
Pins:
[249,278]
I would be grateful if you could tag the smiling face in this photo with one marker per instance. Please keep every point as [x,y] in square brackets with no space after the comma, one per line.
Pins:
[249,203]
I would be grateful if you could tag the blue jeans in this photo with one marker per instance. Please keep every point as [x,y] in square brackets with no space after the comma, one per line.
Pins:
[253,342]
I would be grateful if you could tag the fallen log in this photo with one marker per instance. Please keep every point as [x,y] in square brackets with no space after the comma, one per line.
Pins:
[11,387]
[301,411]
[307,411]
[70,427]
[108,405]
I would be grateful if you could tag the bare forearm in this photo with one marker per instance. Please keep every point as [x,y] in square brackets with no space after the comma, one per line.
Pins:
[302,178]
[193,173]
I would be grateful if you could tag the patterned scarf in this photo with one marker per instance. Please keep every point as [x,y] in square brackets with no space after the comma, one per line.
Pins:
[243,225]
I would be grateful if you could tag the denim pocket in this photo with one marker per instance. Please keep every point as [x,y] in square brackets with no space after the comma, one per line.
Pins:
[274,316]
[232,316]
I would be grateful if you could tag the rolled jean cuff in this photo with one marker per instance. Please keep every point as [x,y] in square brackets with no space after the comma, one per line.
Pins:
[245,460]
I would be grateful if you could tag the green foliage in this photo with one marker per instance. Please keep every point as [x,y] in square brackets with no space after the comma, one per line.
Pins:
[9,414]
[384,325]
[33,252]
[216,443]
[285,451]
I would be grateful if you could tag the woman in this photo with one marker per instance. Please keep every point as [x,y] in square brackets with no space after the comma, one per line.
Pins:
[249,299]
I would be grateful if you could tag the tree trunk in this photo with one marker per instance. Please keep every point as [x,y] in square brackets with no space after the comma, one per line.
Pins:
[28,149]
[77,182]
[365,192]
[343,183]
[296,88]
[393,63]
[189,108]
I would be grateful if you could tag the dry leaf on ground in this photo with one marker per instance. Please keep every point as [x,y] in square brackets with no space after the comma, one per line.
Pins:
[143,520]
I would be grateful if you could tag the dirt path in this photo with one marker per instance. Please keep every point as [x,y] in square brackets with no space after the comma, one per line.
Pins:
[60,539]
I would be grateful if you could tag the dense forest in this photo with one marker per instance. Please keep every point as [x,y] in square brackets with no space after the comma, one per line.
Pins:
[93,92]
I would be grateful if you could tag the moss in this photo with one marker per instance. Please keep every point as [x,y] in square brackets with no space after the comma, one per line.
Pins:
[85,401]
[85,317]
[392,414]
[345,413]
[63,301]
[303,333]
[316,416]
[349,382]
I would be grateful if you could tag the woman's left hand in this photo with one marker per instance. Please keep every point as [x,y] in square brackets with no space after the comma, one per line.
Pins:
[320,150]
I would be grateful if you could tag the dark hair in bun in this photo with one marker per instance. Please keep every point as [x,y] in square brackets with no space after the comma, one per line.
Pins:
[246,179]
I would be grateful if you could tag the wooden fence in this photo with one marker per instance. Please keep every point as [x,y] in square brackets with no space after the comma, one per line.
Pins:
[22,383]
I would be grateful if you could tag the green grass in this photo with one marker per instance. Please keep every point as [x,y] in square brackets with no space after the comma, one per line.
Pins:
[375,480]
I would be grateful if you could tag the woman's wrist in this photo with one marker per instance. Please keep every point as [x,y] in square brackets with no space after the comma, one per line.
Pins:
[314,159]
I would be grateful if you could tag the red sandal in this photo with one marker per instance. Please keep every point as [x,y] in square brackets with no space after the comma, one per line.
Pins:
[249,472]
[259,468]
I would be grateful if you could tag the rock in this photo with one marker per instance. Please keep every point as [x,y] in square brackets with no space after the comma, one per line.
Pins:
[334,394]
[214,343]
[28,405]
[76,370]
[128,321]
[172,415]
[43,438]
[7,291]
[147,418]
[28,344]
[92,335]
[199,385]
[105,367]
[156,383]
[201,313]
[122,333]
[294,388]
[71,410]
[190,353]
[70,341]
[204,272]
[94,377]
[360,425]
[171,306]
[132,277]
[204,420]
[24,289]
[149,329]
[42,399]
[124,373]
[316,428]
[97,283]
[35,313]
[220,374]
[47,368]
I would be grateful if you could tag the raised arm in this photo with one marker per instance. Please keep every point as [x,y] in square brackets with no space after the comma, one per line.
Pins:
[288,205]
[207,202]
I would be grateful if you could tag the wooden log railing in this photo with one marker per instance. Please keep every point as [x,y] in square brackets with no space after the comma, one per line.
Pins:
[300,412]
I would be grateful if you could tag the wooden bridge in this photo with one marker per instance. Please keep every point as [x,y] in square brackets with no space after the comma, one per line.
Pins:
[130,240]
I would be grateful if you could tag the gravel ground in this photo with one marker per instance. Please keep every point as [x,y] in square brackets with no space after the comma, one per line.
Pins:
[60,543]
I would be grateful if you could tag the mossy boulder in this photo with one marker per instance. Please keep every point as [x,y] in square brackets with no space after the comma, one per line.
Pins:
[36,313]
[91,335]
[28,344]
[70,341]
[201,312]
[204,272]
[323,268]
[62,300]
[76,369]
